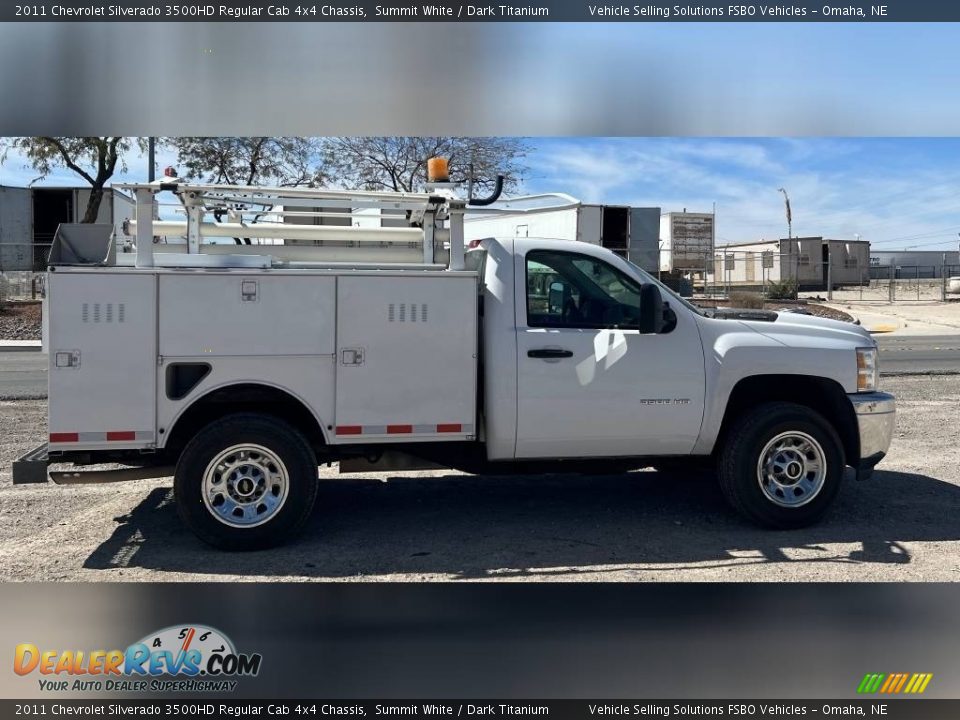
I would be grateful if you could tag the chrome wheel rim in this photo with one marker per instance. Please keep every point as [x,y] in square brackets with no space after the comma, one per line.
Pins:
[792,469]
[245,485]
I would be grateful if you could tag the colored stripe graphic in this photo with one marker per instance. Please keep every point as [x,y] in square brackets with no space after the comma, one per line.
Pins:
[405,429]
[62,437]
[116,435]
[894,683]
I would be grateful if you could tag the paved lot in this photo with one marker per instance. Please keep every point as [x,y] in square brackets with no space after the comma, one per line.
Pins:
[23,374]
[643,526]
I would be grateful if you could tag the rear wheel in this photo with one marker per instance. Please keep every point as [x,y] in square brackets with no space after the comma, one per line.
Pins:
[782,465]
[246,482]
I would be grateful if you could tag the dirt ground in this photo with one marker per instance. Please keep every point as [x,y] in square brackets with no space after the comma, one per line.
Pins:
[642,526]
[20,321]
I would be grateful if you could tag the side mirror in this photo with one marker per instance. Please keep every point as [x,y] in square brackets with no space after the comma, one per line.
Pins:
[651,309]
[555,297]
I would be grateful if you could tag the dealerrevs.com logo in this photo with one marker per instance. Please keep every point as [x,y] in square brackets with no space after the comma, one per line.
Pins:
[182,658]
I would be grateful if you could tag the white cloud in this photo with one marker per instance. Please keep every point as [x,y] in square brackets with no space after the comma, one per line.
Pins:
[833,189]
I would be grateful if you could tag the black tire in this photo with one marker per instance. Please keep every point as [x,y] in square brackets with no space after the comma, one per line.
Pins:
[740,479]
[275,436]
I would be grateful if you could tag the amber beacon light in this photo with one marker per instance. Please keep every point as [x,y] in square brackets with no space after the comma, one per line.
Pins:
[438,170]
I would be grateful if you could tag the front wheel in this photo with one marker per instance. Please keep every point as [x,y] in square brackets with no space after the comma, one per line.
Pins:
[246,482]
[782,465]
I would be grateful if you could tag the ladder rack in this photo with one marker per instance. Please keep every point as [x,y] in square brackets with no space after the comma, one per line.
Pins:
[426,228]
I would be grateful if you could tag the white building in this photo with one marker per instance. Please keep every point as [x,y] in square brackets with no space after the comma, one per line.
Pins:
[810,261]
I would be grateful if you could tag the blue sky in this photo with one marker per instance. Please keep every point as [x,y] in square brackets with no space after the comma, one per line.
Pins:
[895,192]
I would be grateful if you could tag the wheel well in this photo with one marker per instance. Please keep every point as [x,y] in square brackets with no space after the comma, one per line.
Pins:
[243,398]
[825,396]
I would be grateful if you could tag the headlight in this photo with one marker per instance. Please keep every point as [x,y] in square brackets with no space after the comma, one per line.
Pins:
[868,370]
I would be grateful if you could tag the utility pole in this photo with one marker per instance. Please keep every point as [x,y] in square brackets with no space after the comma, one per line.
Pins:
[829,271]
[786,202]
[151,159]
[796,266]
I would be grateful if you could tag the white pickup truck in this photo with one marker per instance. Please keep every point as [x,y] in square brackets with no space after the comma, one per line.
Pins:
[244,372]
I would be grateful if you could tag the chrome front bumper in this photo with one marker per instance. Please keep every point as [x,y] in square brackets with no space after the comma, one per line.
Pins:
[876,417]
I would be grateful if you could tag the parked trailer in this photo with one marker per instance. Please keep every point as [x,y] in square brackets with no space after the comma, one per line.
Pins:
[630,232]
[29,217]
[244,371]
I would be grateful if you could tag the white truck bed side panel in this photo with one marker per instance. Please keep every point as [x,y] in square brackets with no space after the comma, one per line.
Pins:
[102,349]
[308,379]
[236,314]
[406,358]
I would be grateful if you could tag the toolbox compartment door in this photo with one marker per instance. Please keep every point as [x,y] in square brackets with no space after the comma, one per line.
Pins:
[406,358]
[102,352]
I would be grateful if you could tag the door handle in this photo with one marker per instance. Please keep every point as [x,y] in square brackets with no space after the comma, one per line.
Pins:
[550,353]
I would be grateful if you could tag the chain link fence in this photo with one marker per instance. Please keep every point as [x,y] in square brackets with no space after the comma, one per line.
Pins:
[783,275]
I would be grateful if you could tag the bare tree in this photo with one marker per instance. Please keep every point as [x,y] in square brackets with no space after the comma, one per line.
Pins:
[400,163]
[95,159]
[282,161]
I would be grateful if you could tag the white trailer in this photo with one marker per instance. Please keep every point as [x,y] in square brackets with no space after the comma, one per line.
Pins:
[630,232]
[29,217]
[239,372]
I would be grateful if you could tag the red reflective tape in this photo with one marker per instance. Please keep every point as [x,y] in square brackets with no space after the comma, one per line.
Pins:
[349,429]
[121,435]
[399,429]
[449,427]
[64,437]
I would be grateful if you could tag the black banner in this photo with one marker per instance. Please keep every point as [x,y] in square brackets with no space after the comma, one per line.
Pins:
[182,642]
[556,11]
[500,709]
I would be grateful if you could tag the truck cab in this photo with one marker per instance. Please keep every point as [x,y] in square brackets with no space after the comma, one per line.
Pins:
[240,374]
[611,363]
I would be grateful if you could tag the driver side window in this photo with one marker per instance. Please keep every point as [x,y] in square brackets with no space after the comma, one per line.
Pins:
[570,290]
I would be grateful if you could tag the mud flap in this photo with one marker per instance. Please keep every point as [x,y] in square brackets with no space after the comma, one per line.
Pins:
[31,468]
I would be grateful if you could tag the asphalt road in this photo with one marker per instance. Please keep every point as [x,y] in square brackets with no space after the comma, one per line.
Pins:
[23,374]
[934,353]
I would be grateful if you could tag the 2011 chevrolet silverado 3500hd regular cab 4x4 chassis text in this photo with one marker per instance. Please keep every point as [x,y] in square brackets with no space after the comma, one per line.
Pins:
[384,343]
